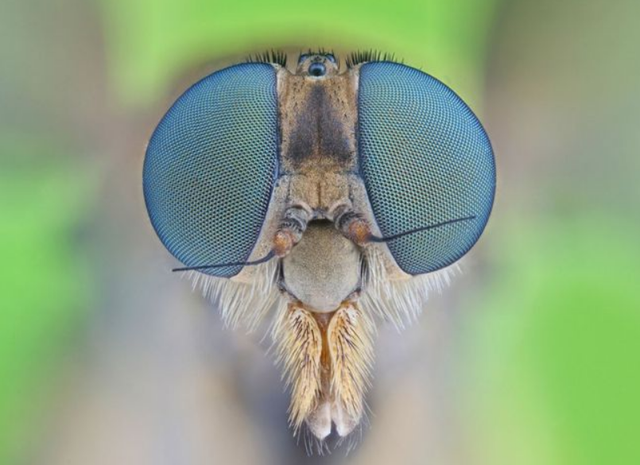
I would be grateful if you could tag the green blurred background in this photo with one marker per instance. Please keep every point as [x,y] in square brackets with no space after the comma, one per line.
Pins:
[533,355]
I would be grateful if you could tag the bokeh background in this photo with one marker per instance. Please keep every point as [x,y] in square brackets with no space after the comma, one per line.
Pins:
[531,357]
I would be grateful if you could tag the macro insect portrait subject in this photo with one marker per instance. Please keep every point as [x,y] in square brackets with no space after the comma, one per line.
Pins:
[329,195]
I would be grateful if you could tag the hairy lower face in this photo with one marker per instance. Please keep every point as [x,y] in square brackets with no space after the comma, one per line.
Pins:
[324,339]
[327,358]
[327,293]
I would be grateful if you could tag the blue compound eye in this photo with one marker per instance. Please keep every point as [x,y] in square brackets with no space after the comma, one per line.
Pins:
[425,160]
[210,167]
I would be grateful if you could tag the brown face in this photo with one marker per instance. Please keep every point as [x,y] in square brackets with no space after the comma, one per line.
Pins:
[327,222]
[317,108]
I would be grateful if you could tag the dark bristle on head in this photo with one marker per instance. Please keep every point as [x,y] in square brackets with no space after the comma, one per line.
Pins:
[319,51]
[355,58]
[270,56]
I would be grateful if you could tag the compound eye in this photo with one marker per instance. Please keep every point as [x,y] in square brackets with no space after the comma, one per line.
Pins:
[210,167]
[425,160]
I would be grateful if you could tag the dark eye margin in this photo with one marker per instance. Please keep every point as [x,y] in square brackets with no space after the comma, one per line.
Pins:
[270,56]
[357,57]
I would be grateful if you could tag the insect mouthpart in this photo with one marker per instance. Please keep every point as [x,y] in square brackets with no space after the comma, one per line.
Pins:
[324,339]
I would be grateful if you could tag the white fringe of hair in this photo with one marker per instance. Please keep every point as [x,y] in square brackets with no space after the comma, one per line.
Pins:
[241,303]
[399,301]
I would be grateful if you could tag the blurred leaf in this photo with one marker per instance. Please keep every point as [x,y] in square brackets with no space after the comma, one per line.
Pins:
[44,282]
[555,351]
[150,42]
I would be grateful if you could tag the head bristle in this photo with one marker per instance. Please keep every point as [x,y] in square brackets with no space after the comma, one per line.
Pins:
[270,56]
[318,51]
[363,56]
